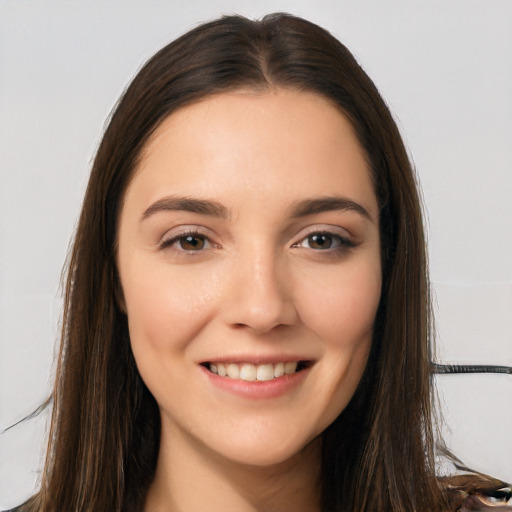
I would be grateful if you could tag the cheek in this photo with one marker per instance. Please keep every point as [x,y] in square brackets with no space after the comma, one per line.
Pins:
[342,306]
[165,307]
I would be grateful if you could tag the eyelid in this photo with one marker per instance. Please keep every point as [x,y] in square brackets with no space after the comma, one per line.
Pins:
[175,234]
[327,229]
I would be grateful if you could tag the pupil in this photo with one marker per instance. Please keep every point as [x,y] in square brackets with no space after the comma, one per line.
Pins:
[192,243]
[320,241]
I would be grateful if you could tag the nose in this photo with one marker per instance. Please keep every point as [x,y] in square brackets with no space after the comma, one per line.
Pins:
[259,296]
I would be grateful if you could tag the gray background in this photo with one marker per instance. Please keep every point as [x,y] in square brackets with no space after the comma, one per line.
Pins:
[445,69]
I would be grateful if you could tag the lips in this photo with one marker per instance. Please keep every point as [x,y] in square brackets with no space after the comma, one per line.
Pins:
[257,378]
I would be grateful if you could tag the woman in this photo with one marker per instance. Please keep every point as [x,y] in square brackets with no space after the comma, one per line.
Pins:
[247,309]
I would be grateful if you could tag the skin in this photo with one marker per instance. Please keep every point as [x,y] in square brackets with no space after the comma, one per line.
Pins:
[251,283]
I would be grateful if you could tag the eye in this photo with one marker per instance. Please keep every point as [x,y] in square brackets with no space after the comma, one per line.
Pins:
[322,241]
[188,242]
[192,242]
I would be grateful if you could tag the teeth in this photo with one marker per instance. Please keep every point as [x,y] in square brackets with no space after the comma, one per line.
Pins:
[233,371]
[247,371]
[279,370]
[290,368]
[265,372]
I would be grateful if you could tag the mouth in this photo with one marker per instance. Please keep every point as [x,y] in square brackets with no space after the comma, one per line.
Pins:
[256,372]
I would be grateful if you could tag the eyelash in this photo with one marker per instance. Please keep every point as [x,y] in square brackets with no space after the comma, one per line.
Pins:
[342,244]
[181,237]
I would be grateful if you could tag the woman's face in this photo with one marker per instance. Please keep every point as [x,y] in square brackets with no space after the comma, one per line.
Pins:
[250,269]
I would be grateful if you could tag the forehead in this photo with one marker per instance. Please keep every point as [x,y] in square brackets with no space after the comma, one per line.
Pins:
[278,144]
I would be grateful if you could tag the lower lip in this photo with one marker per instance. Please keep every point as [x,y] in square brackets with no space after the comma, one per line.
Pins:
[256,389]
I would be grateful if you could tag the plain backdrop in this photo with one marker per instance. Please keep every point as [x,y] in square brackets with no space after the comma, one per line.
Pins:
[445,69]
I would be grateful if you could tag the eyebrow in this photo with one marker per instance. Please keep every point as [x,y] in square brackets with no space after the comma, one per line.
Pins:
[328,204]
[215,209]
[186,204]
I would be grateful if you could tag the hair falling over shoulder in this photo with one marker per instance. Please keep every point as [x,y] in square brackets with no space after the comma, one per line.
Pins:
[378,455]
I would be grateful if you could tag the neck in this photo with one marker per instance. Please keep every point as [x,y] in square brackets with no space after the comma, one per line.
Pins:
[191,478]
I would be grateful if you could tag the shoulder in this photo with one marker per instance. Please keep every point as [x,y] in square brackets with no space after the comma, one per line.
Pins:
[476,492]
[476,503]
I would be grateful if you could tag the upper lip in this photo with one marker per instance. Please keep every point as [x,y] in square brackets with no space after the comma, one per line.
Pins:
[257,359]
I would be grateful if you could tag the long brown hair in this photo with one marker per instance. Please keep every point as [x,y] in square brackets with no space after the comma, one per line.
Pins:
[104,438]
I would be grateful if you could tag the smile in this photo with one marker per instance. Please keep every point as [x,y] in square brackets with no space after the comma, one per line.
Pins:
[255,372]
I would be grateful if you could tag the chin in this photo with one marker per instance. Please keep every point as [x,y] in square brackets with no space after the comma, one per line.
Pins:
[261,452]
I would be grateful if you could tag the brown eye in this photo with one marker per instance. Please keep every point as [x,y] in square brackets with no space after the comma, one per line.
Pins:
[331,243]
[322,241]
[192,243]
